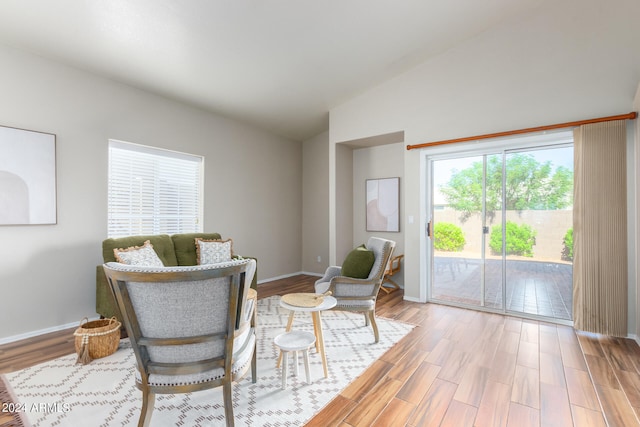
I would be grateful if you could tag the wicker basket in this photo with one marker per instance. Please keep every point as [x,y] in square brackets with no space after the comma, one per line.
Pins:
[96,339]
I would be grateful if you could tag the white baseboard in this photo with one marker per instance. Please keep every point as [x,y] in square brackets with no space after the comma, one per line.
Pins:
[284,276]
[32,334]
[308,273]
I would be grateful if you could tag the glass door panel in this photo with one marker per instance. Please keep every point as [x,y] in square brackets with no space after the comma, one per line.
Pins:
[493,217]
[538,228]
[461,191]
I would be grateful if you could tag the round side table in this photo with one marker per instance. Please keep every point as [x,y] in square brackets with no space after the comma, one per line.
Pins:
[293,342]
[328,303]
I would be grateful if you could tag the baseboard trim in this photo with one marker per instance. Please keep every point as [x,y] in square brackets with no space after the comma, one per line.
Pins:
[285,276]
[32,334]
[308,273]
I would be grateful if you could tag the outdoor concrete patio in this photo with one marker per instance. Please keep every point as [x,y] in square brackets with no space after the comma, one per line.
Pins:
[533,287]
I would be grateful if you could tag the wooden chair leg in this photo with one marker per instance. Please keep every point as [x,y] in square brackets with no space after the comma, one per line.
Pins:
[228,403]
[372,316]
[148,401]
[254,323]
[254,365]
[394,285]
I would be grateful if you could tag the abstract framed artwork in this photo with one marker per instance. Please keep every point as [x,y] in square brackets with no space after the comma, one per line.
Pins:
[27,177]
[383,204]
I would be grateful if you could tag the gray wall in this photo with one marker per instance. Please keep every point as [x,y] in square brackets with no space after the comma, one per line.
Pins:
[565,61]
[253,185]
[636,220]
[315,204]
[385,161]
[344,202]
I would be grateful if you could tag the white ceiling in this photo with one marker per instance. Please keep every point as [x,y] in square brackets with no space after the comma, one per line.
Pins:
[278,64]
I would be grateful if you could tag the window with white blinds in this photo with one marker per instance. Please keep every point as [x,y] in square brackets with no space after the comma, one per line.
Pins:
[153,191]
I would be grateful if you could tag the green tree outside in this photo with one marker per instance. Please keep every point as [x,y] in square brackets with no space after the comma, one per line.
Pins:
[530,185]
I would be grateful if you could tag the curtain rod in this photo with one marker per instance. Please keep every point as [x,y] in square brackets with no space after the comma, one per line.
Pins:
[629,116]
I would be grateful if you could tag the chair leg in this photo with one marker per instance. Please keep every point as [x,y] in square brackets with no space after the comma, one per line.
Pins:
[366,319]
[254,366]
[288,328]
[372,316]
[254,359]
[148,401]
[305,354]
[285,366]
[394,285]
[228,403]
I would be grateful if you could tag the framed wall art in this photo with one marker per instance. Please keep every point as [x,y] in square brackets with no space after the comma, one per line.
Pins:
[27,177]
[383,204]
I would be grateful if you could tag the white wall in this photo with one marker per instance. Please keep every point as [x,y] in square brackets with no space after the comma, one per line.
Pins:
[636,219]
[385,161]
[567,60]
[315,204]
[344,201]
[253,185]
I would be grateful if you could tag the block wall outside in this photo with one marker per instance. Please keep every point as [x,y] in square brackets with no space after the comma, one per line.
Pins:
[551,227]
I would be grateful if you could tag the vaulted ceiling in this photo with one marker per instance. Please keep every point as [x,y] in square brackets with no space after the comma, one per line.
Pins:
[278,64]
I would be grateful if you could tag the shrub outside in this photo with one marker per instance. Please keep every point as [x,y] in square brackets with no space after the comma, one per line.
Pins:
[519,241]
[448,237]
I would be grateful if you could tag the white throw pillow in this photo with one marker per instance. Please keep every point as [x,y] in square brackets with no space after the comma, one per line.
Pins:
[213,251]
[143,255]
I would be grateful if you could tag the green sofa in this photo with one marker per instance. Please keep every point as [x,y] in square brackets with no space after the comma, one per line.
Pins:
[174,250]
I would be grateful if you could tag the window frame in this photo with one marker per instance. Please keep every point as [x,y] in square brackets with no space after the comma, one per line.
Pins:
[158,191]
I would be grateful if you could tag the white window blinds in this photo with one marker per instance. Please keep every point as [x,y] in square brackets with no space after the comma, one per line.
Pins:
[153,191]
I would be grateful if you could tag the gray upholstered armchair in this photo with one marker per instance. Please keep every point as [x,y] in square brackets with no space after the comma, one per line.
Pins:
[191,328]
[359,295]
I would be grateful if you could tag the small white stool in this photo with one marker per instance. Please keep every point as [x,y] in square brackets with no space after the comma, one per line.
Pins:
[295,341]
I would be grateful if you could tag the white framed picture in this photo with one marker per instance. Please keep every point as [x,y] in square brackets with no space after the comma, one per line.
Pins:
[27,177]
[383,204]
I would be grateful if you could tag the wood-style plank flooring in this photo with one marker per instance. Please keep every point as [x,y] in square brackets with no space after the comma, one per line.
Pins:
[458,368]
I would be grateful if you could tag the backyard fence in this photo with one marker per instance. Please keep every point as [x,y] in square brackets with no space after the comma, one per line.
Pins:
[550,227]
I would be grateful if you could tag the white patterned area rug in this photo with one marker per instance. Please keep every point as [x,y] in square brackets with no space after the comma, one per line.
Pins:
[102,393]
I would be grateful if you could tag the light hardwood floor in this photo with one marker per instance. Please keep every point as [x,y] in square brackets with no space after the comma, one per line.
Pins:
[459,368]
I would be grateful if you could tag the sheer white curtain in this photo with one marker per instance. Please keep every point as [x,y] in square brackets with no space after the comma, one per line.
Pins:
[600,228]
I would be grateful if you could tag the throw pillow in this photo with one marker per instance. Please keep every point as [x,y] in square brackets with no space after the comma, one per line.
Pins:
[143,255]
[213,251]
[358,263]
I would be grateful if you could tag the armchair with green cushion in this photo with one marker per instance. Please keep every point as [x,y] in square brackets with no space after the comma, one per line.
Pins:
[356,283]
[173,250]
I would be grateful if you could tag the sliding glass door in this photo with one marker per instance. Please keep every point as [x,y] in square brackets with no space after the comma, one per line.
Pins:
[500,230]
[538,247]
[466,202]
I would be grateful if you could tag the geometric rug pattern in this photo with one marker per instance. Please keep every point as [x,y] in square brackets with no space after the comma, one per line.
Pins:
[102,393]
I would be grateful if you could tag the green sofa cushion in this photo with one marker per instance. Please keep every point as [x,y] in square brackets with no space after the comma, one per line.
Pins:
[179,249]
[162,244]
[185,246]
[358,263]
